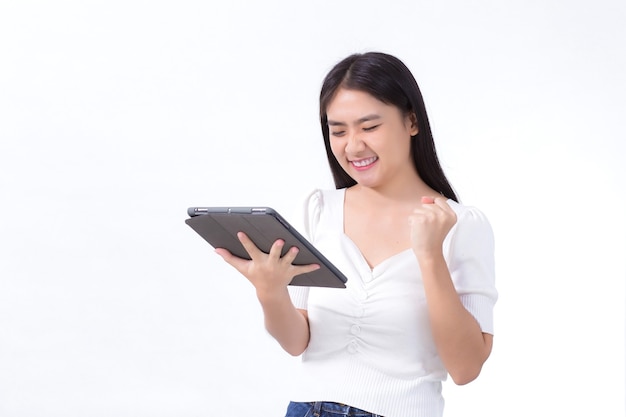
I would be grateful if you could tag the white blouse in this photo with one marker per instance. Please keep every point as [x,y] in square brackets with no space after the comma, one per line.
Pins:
[371,345]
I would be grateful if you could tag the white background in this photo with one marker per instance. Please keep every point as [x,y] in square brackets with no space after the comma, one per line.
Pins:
[115,116]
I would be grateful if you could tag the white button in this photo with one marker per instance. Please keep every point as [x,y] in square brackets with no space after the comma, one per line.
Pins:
[352,347]
[355,329]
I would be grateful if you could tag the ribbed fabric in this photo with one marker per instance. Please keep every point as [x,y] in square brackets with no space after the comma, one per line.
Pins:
[371,345]
[348,380]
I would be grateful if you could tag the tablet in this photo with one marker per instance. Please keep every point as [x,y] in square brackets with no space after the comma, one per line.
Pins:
[263,225]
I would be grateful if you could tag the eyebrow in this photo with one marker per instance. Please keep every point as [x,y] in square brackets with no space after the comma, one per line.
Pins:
[367,118]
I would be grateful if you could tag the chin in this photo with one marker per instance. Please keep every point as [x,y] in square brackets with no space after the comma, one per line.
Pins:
[367,183]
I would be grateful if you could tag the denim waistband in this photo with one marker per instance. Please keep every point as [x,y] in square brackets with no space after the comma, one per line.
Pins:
[339,410]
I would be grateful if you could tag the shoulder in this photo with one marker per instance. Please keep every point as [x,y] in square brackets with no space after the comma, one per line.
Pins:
[472,225]
[317,199]
[320,193]
[321,203]
[468,214]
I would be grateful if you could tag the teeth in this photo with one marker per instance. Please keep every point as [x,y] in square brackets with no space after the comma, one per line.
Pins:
[365,162]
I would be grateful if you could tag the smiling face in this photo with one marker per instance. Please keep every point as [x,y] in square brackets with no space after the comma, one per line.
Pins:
[371,140]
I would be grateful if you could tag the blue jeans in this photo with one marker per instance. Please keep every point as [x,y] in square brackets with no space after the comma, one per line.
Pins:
[323,409]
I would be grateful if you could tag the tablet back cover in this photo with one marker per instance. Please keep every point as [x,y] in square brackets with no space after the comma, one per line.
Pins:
[220,231]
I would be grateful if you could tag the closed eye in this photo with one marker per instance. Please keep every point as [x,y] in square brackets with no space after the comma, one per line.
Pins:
[338,133]
[370,128]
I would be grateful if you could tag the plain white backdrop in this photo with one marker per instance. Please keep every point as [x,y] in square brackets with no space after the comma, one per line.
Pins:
[115,116]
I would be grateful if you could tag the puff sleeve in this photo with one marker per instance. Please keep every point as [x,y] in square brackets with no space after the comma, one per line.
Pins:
[469,249]
[312,210]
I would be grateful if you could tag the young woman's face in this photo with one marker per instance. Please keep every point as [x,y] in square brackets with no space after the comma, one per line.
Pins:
[370,139]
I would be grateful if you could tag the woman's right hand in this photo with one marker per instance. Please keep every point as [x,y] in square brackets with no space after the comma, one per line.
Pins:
[268,272]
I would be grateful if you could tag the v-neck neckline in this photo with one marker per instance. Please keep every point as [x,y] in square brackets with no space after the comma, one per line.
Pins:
[363,259]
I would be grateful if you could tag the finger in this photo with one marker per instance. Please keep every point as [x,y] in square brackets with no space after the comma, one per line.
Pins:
[248,245]
[277,249]
[443,203]
[446,209]
[291,254]
[305,269]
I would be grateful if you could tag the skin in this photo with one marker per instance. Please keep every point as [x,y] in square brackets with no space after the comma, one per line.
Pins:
[371,140]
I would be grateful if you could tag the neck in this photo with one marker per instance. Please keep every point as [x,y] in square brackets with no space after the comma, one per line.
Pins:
[407,191]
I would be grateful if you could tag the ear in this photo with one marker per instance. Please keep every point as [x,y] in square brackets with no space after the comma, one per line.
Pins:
[412,124]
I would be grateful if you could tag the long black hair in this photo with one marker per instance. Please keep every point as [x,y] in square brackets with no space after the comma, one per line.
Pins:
[387,79]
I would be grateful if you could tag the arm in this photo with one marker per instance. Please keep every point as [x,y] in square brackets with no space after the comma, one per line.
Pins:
[461,344]
[289,326]
[270,274]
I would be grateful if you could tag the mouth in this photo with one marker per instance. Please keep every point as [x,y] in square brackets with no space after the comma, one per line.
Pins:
[364,163]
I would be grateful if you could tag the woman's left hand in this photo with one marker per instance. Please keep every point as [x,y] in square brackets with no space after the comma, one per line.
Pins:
[430,223]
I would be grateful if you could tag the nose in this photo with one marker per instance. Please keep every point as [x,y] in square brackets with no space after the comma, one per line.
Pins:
[354,144]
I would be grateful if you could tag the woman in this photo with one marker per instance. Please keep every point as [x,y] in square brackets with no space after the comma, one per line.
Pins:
[420,293]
